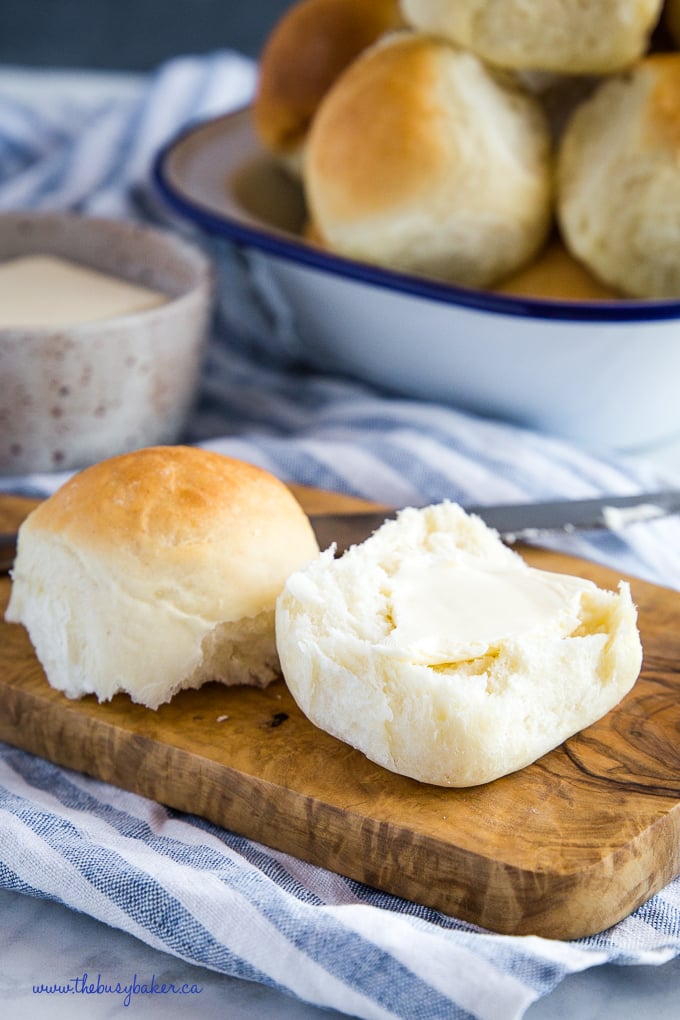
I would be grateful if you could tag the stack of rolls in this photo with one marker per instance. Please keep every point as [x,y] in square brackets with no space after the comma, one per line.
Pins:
[467,140]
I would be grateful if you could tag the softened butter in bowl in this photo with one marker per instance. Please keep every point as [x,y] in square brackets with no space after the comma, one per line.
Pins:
[102,332]
[47,291]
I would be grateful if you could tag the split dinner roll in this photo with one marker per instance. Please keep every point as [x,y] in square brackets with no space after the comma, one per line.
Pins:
[441,655]
[158,570]
[423,160]
[566,36]
[308,48]
[618,180]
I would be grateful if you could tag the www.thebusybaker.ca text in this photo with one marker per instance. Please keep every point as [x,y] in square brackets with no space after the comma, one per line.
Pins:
[84,986]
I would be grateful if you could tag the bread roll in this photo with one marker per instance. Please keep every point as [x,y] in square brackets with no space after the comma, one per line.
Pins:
[441,655]
[304,54]
[557,276]
[422,160]
[618,180]
[158,570]
[566,36]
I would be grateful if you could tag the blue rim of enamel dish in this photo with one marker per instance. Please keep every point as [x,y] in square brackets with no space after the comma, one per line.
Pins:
[292,249]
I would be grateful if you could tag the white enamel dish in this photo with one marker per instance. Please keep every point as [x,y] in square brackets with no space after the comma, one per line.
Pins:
[603,373]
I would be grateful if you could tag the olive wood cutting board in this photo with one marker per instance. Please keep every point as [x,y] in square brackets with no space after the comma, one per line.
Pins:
[563,848]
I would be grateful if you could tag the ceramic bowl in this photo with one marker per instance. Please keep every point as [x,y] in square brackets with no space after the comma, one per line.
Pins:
[73,395]
[601,372]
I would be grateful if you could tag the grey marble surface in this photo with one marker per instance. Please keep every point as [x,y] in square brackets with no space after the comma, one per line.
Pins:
[46,943]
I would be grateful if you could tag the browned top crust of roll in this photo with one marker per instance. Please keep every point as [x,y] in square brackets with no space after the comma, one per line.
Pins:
[306,51]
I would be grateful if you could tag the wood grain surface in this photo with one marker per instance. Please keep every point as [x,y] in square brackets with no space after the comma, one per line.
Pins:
[563,849]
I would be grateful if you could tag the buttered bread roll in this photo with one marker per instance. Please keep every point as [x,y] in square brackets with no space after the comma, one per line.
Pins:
[306,51]
[423,160]
[618,180]
[566,36]
[158,570]
[441,655]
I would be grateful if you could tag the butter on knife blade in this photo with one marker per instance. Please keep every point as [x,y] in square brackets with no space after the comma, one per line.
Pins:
[515,522]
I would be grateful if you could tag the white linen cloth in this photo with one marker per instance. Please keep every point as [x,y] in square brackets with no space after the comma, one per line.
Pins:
[177,882]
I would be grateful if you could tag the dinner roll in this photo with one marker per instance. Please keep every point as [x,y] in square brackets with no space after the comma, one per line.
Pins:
[158,570]
[618,190]
[308,48]
[557,276]
[421,159]
[441,655]
[567,36]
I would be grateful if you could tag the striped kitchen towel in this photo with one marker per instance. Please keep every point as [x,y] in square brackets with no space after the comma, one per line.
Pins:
[177,882]
[213,898]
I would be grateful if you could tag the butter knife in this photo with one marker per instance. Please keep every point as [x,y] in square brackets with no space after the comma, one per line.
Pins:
[516,522]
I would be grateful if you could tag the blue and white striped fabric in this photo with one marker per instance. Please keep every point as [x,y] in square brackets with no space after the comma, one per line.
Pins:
[176,882]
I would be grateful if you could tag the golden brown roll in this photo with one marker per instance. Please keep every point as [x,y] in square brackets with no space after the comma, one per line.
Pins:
[306,51]
[567,36]
[158,570]
[618,182]
[422,159]
[556,276]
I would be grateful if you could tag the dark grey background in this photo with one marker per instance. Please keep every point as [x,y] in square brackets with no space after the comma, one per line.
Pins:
[130,35]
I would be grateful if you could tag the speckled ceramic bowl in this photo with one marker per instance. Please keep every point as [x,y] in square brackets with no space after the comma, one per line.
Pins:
[72,396]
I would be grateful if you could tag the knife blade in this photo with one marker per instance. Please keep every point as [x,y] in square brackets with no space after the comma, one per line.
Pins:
[515,522]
